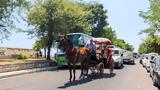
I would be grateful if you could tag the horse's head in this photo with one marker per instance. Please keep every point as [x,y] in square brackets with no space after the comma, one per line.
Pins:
[64,42]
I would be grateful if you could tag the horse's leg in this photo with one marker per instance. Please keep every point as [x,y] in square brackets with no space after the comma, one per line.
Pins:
[81,71]
[74,72]
[70,71]
[86,68]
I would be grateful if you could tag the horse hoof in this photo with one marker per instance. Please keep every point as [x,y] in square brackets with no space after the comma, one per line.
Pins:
[70,80]
[74,79]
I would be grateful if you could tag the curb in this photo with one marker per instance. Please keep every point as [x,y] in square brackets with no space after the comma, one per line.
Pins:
[20,72]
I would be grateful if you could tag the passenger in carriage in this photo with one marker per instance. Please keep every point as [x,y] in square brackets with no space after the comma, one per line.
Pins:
[91,46]
[92,49]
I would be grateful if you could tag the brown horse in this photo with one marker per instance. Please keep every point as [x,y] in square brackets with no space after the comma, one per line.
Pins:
[74,55]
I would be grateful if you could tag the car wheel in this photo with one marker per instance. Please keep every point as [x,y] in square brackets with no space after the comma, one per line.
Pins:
[148,70]
[120,65]
[154,80]
[150,74]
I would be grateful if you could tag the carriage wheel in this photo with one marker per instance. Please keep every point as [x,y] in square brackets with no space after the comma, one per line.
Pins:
[93,69]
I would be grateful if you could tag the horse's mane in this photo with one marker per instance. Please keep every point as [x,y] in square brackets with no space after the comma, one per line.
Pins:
[69,42]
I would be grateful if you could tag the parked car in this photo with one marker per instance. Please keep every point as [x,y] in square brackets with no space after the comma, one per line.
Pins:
[118,57]
[128,57]
[150,56]
[135,55]
[144,60]
[156,71]
[152,64]
[141,58]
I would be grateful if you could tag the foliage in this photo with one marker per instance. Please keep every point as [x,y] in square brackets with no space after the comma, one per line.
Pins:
[152,17]
[23,56]
[109,33]
[122,44]
[142,48]
[51,17]
[129,47]
[38,45]
[151,44]
[98,18]
[8,13]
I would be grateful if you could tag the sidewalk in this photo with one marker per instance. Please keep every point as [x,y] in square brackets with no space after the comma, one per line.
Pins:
[20,72]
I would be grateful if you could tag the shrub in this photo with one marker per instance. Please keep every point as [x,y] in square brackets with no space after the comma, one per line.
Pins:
[23,56]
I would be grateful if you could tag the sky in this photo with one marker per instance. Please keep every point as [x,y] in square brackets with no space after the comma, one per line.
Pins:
[123,17]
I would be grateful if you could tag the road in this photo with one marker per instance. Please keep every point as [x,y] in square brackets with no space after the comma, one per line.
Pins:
[131,77]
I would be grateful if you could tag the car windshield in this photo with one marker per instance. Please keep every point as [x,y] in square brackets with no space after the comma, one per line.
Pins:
[115,52]
[158,64]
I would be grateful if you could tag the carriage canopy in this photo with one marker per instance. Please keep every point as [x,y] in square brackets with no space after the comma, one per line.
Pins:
[101,40]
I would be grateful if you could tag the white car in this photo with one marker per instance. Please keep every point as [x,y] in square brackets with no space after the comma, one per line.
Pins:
[151,56]
[145,60]
[117,57]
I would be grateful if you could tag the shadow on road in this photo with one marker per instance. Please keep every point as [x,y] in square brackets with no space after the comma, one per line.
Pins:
[89,78]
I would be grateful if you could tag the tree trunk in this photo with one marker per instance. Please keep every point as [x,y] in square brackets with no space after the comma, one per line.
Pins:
[48,53]
[45,52]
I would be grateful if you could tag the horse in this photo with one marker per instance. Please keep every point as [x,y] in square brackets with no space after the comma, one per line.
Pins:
[75,55]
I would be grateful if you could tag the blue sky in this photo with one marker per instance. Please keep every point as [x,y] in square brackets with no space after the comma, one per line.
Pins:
[122,16]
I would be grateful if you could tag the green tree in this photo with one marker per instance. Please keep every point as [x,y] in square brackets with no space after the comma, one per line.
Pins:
[9,10]
[142,48]
[98,18]
[120,43]
[40,44]
[109,33]
[151,44]
[52,17]
[129,47]
[152,16]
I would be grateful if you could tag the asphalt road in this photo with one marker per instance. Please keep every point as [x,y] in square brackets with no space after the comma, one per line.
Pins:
[131,77]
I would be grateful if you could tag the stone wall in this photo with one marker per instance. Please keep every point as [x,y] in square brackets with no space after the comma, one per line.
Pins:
[7,53]
[27,65]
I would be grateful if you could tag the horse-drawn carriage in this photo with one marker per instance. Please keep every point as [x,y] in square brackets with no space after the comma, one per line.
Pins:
[98,59]
[82,55]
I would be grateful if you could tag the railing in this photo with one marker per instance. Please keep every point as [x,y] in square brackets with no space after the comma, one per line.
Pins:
[23,66]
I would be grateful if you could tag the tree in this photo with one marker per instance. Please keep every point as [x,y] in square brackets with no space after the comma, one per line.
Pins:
[98,18]
[8,13]
[142,48]
[52,17]
[109,33]
[152,17]
[122,44]
[129,47]
[151,44]
[40,44]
